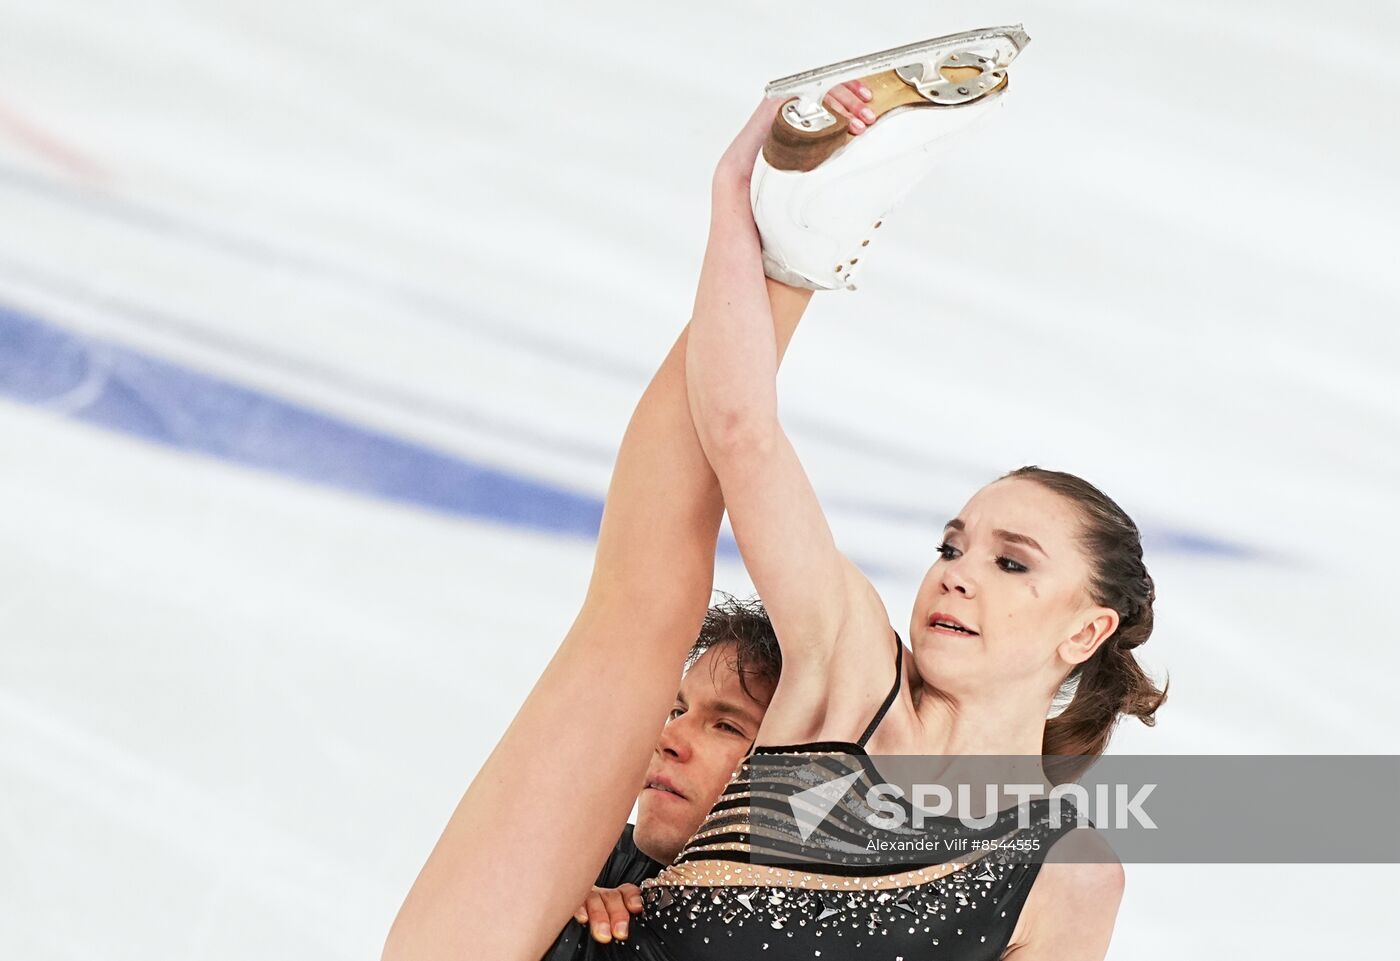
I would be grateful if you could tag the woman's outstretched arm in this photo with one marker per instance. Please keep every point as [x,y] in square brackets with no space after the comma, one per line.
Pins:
[814,596]
[524,844]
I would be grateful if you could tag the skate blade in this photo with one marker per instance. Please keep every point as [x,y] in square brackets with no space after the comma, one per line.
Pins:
[996,45]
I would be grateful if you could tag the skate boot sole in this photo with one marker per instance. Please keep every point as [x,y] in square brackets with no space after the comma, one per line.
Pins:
[793,149]
[944,72]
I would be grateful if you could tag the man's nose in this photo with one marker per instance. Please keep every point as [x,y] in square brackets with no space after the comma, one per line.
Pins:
[674,742]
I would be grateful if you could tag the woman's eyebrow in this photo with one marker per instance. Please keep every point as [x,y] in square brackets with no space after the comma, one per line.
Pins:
[1011,537]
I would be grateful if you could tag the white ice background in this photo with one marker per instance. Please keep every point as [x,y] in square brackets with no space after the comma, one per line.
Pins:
[236,708]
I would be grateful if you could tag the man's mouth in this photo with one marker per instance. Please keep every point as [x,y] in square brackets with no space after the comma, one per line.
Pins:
[665,786]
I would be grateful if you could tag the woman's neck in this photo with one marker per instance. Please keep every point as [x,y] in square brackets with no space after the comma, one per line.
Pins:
[1012,727]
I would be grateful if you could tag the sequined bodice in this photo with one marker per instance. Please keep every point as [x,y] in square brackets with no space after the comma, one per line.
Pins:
[739,889]
[747,886]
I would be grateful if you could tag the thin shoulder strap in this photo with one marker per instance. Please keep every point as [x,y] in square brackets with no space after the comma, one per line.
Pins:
[894,691]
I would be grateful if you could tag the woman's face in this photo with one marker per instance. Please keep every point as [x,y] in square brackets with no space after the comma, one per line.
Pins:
[1012,572]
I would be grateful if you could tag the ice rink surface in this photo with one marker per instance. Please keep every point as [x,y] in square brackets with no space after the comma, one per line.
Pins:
[320,323]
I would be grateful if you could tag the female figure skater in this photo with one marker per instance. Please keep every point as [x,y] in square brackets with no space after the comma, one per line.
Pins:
[1039,582]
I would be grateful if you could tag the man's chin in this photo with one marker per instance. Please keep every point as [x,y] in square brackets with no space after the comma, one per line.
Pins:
[657,837]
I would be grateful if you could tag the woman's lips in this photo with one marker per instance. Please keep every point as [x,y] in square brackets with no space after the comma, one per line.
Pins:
[948,624]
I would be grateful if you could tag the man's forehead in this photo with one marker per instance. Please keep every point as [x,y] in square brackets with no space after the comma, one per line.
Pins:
[715,676]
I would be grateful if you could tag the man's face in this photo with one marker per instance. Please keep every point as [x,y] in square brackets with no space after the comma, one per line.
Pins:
[710,730]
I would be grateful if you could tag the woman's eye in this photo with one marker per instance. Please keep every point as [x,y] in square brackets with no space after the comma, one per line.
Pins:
[948,551]
[1011,566]
[675,713]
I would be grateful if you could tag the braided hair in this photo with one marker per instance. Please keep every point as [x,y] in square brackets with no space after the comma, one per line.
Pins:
[1098,692]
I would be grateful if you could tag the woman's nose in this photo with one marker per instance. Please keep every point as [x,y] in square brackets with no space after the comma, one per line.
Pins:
[955,581]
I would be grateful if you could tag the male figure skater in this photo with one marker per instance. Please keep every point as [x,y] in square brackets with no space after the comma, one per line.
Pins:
[734,667]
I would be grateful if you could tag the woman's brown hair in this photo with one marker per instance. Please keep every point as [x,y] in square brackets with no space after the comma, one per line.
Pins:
[1110,683]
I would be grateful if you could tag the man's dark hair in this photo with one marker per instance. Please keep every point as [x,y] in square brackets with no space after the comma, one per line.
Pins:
[745,625]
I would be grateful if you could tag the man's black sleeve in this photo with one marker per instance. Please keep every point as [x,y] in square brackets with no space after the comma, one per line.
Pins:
[625,865]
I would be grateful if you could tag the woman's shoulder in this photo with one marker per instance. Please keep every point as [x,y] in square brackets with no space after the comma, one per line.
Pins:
[1083,861]
[1074,900]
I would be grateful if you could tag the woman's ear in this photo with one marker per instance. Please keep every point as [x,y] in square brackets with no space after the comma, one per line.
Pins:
[1098,627]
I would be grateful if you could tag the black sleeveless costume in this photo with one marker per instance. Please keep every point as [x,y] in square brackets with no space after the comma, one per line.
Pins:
[726,897]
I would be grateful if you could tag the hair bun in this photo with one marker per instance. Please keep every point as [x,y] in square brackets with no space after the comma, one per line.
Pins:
[1127,643]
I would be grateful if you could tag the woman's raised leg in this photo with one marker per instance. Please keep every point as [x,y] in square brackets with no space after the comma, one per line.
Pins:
[526,841]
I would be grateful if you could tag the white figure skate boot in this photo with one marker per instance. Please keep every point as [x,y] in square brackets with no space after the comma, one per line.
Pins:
[819,192]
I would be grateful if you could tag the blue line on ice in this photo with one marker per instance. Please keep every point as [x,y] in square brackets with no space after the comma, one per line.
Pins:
[121,389]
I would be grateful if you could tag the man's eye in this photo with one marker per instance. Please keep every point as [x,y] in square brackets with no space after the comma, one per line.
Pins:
[730,727]
[675,713]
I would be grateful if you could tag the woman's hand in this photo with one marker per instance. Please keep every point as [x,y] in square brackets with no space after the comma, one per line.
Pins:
[735,167]
[606,911]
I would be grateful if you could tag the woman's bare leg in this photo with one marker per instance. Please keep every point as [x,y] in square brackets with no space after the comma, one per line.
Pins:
[527,839]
